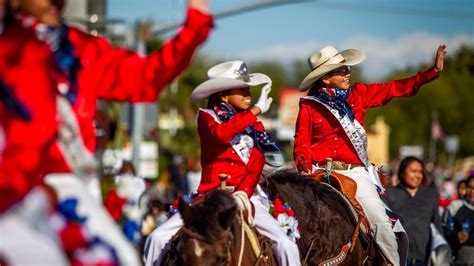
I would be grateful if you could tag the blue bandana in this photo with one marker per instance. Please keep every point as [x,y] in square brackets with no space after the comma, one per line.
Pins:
[337,99]
[57,39]
[261,138]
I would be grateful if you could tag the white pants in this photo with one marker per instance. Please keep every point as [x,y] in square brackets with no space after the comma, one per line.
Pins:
[285,250]
[374,208]
[26,236]
[98,221]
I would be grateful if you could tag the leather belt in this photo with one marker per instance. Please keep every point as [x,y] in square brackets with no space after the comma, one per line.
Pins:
[338,165]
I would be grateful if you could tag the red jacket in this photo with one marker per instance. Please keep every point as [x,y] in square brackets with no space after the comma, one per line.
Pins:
[119,74]
[218,156]
[26,68]
[108,73]
[318,133]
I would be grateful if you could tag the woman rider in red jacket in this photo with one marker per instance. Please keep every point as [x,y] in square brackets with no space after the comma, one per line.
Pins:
[330,121]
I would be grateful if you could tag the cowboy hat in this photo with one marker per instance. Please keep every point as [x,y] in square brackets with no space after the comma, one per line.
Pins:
[328,59]
[226,76]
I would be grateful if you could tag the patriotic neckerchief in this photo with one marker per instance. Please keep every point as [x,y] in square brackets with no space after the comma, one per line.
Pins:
[8,97]
[67,63]
[261,138]
[78,157]
[337,99]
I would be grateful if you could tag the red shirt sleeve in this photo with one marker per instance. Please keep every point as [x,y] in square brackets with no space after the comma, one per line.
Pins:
[123,75]
[254,171]
[302,138]
[224,132]
[375,95]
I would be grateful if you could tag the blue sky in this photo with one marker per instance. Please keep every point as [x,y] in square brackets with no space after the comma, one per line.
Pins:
[393,34]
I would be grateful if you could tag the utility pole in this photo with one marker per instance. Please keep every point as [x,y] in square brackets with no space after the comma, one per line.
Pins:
[137,110]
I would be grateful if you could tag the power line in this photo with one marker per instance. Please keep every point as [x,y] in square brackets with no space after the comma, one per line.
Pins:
[231,12]
[394,10]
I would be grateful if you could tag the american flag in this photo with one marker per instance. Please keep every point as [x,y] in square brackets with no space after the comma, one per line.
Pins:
[436,131]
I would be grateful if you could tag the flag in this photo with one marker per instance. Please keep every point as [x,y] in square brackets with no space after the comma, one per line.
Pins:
[436,131]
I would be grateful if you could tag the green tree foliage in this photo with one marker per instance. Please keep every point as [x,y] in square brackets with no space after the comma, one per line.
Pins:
[450,96]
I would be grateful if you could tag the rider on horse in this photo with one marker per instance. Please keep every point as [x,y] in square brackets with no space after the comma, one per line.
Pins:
[330,125]
[233,142]
[59,72]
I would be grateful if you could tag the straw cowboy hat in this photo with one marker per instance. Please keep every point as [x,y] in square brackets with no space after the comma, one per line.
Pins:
[328,59]
[226,76]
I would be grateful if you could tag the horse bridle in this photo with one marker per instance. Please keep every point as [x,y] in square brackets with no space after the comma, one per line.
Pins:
[193,235]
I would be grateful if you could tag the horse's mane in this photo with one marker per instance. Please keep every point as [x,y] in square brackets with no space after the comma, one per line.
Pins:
[322,191]
[205,214]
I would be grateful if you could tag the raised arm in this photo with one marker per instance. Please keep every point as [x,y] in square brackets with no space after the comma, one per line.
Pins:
[124,75]
[380,94]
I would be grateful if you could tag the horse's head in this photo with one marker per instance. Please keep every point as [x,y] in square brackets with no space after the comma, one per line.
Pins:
[206,235]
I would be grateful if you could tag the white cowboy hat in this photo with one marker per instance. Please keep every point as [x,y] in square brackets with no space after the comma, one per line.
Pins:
[328,59]
[226,76]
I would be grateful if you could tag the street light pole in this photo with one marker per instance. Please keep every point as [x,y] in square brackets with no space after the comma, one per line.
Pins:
[137,110]
[229,12]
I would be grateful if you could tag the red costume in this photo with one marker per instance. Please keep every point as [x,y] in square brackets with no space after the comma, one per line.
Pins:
[107,73]
[318,133]
[219,157]
[118,74]
[26,67]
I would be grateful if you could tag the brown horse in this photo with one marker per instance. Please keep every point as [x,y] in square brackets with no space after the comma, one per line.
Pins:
[325,220]
[213,234]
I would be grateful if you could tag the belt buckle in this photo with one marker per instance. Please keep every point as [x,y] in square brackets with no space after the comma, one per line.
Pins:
[338,165]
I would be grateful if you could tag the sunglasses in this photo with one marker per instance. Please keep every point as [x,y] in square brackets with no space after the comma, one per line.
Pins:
[341,71]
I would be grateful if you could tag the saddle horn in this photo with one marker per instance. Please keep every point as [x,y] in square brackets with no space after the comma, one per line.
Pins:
[222,178]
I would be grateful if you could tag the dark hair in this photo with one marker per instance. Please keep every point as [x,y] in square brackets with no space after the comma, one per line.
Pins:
[461,183]
[314,90]
[214,100]
[127,167]
[469,180]
[405,163]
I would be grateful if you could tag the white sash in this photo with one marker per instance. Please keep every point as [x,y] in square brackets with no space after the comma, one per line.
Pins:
[358,137]
[70,141]
[242,143]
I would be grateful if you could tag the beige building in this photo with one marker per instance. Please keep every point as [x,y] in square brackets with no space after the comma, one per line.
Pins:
[378,136]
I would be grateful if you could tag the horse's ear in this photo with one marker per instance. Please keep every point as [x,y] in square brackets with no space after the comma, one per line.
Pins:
[185,210]
[225,217]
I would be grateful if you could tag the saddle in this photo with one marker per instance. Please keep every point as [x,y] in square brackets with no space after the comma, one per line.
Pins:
[348,188]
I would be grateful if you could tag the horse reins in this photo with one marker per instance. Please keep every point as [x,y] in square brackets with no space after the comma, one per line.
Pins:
[194,235]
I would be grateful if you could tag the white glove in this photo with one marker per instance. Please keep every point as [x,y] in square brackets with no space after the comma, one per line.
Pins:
[264,102]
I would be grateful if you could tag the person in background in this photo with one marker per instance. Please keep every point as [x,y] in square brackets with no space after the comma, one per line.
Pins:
[458,220]
[233,142]
[193,175]
[418,207]
[330,126]
[86,68]
[462,189]
[28,129]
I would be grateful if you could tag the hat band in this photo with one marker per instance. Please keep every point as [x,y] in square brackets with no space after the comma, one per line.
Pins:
[242,75]
[329,59]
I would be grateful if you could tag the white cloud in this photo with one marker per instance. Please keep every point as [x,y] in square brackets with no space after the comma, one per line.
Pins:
[383,55]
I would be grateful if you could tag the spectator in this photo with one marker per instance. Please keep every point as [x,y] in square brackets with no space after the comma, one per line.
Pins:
[462,189]
[417,205]
[193,174]
[458,221]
